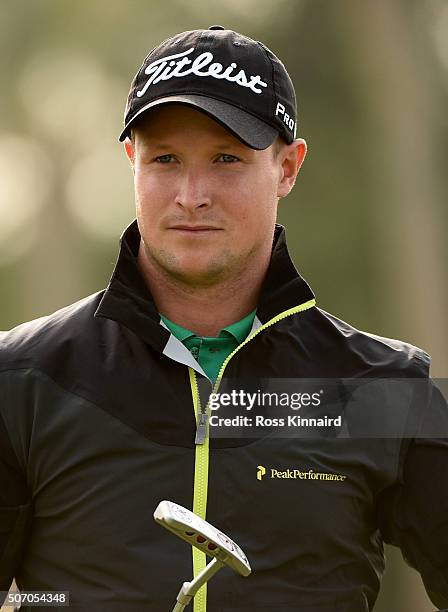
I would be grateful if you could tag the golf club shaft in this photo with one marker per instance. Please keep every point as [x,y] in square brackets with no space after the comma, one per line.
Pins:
[189,589]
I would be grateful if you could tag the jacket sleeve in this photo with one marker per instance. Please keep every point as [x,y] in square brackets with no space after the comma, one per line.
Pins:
[414,514]
[15,510]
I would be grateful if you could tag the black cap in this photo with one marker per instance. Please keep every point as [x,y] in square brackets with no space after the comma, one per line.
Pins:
[235,80]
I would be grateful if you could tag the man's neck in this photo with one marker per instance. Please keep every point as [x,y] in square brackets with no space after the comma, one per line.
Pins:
[203,310]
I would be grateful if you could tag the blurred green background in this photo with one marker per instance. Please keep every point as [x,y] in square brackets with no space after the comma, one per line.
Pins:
[366,222]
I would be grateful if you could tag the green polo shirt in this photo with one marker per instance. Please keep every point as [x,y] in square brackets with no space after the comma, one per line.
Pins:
[210,353]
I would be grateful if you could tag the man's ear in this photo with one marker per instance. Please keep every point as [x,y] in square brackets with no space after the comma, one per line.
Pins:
[291,158]
[130,151]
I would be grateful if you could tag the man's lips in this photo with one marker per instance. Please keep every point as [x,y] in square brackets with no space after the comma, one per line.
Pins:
[195,228]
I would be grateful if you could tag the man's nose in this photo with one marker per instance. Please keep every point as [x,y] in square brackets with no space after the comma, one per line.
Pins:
[194,190]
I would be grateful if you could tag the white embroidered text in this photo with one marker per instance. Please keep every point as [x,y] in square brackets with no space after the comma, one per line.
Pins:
[171,66]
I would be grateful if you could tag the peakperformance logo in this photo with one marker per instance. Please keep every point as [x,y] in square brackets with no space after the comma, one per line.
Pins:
[261,472]
[298,474]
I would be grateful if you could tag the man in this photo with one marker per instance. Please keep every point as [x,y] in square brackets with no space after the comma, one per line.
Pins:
[104,403]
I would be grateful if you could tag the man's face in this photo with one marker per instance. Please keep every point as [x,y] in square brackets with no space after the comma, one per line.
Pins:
[206,203]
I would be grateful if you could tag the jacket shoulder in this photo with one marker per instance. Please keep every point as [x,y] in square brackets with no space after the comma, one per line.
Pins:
[20,346]
[371,351]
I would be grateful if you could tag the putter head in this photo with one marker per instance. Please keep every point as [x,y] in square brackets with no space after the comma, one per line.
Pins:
[197,532]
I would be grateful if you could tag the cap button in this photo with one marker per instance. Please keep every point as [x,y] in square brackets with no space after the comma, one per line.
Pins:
[216,27]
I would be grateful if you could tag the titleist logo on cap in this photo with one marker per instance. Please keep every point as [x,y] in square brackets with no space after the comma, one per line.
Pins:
[171,66]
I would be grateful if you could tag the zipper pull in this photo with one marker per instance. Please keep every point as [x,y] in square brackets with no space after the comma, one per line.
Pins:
[201,430]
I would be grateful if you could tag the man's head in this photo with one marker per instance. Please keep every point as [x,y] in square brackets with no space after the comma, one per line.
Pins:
[210,156]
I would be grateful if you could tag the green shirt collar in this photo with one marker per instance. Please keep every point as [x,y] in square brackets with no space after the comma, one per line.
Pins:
[181,333]
[239,330]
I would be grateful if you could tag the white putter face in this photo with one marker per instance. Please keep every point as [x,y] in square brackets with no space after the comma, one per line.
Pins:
[197,532]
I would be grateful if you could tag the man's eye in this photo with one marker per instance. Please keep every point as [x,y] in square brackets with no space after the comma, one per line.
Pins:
[227,158]
[164,159]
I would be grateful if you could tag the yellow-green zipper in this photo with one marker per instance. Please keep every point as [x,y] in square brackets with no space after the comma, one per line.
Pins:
[200,494]
[275,319]
[202,446]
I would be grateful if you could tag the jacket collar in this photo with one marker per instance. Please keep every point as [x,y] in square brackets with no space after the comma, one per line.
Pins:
[128,300]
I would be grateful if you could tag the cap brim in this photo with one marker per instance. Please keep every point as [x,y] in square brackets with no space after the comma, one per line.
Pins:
[251,131]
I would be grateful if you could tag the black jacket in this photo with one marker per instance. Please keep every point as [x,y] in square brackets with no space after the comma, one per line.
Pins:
[98,413]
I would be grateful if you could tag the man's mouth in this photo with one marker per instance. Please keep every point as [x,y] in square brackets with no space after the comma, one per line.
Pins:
[195,228]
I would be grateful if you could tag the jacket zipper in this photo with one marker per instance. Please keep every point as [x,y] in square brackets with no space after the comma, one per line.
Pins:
[199,494]
[203,414]
[202,447]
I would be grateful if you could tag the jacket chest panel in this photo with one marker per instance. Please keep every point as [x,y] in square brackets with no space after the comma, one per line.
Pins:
[298,505]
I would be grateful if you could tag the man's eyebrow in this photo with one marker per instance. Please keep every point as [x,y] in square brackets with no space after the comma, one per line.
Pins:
[223,144]
[158,145]
[230,144]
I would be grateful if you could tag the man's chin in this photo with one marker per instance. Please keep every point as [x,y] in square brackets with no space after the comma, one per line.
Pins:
[200,270]
[197,277]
